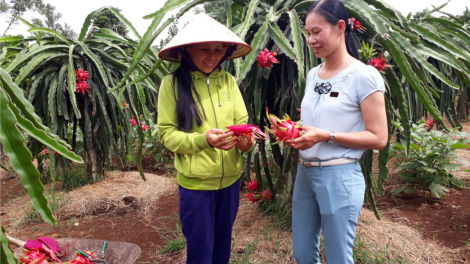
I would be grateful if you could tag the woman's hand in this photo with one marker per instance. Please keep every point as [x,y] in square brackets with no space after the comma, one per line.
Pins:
[245,143]
[311,137]
[217,138]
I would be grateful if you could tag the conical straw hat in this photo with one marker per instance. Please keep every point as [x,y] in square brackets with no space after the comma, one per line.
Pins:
[203,28]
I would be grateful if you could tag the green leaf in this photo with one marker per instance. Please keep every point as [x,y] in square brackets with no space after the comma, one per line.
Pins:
[437,189]
[282,41]
[11,39]
[407,165]
[26,108]
[383,6]
[428,35]
[399,95]
[7,255]
[16,63]
[228,12]
[432,170]
[250,15]
[459,146]
[87,23]
[450,166]
[259,42]
[142,47]
[457,33]
[50,31]
[464,162]
[38,34]
[406,46]
[405,68]
[442,21]
[72,83]
[168,6]
[95,61]
[362,8]
[21,158]
[126,22]
[37,79]
[47,55]
[299,48]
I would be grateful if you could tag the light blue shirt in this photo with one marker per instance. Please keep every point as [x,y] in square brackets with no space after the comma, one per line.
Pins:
[341,113]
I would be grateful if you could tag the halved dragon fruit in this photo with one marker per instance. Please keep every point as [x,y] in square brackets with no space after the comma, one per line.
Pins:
[284,129]
[248,130]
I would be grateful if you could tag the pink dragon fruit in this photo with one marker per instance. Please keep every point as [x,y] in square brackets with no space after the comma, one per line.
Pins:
[284,129]
[248,130]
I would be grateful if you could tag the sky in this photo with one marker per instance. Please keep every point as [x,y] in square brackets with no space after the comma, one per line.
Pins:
[75,12]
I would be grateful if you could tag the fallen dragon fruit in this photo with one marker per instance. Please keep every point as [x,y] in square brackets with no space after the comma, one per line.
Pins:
[284,129]
[248,130]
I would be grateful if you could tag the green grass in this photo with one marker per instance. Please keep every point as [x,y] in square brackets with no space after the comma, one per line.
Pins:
[174,245]
[31,214]
[244,258]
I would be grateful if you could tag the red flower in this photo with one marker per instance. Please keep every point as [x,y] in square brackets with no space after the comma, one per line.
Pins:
[356,24]
[266,58]
[379,63]
[266,195]
[144,127]
[252,197]
[81,75]
[82,87]
[248,130]
[124,103]
[284,129]
[133,122]
[45,151]
[430,123]
[252,185]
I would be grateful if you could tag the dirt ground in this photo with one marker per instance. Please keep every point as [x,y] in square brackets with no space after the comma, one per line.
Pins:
[124,208]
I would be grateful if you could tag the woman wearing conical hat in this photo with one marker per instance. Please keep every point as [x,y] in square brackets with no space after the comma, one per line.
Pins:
[196,102]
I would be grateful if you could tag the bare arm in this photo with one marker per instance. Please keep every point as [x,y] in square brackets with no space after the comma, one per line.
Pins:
[374,136]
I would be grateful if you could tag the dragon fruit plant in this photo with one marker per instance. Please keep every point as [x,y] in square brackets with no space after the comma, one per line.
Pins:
[284,129]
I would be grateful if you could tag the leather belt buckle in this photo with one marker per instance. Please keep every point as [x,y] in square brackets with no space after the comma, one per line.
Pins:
[306,163]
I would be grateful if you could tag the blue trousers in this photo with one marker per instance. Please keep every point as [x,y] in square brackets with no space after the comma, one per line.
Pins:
[207,218]
[329,200]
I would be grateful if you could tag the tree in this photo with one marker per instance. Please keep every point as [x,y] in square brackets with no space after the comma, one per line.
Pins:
[107,19]
[18,8]
[172,31]
[51,21]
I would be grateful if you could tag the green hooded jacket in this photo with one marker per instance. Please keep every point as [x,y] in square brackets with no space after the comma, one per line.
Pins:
[199,166]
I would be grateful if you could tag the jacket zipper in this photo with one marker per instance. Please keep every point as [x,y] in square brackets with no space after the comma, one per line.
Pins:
[217,126]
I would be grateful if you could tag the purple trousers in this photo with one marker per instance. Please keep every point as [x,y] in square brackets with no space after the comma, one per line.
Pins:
[207,218]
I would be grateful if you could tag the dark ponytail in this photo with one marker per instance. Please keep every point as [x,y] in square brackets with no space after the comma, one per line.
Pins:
[187,109]
[334,11]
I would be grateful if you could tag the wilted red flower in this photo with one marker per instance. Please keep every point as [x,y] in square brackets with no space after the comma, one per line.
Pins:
[266,58]
[284,129]
[430,123]
[252,197]
[248,130]
[56,153]
[266,195]
[356,24]
[252,185]
[379,63]
[124,103]
[82,75]
[133,122]
[82,87]
[45,151]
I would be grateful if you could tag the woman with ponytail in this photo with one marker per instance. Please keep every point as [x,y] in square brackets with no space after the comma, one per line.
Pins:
[343,112]
[196,103]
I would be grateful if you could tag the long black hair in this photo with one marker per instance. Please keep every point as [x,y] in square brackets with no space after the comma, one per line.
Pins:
[187,110]
[334,11]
